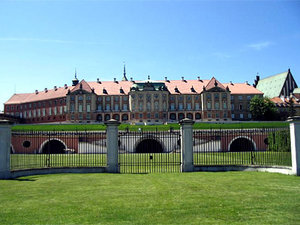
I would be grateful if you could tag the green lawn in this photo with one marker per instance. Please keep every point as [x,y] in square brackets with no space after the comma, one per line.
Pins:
[83,127]
[169,198]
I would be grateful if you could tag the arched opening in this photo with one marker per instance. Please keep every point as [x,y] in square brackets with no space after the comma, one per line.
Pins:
[107,117]
[241,144]
[190,116]
[116,117]
[172,116]
[53,147]
[180,116]
[124,117]
[99,118]
[198,116]
[149,146]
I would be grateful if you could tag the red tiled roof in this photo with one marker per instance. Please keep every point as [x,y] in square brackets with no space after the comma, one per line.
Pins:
[39,96]
[82,85]
[213,83]
[184,87]
[113,88]
[284,101]
[242,88]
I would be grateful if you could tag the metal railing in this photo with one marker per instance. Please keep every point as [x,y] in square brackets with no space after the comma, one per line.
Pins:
[263,147]
[51,149]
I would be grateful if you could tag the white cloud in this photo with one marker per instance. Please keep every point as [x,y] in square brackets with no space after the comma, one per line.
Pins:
[260,45]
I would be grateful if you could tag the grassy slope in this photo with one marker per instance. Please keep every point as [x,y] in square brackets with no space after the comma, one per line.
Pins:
[189,198]
[73,127]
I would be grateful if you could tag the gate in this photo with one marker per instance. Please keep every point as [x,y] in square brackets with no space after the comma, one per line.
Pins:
[149,152]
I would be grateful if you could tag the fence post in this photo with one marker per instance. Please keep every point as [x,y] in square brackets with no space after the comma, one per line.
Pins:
[112,145]
[186,130]
[5,141]
[295,145]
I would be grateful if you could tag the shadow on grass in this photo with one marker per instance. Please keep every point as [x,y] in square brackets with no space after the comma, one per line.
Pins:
[24,179]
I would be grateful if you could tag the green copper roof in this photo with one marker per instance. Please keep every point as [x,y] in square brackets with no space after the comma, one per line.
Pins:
[296,91]
[272,86]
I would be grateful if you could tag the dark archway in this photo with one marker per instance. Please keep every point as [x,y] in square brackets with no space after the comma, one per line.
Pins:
[99,118]
[190,116]
[198,116]
[241,144]
[181,116]
[172,116]
[107,117]
[124,117]
[116,117]
[53,147]
[149,146]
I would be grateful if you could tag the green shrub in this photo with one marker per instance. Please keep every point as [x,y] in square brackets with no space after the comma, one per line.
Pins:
[279,141]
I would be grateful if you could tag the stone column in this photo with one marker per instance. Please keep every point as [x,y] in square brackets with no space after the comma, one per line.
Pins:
[5,141]
[186,130]
[295,145]
[112,145]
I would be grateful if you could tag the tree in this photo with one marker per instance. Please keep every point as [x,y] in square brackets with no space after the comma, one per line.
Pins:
[263,109]
[292,110]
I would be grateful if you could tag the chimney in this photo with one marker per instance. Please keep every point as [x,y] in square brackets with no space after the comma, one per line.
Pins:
[66,86]
[55,88]
[199,78]
[98,81]
[182,78]
[115,80]
[193,89]
[166,79]
[36,92]
[131,79]
[231,83]
[46,90]
[247,83]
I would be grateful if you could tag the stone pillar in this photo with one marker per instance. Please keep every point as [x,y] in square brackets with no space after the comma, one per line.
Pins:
[295,145]
[186,130]
[5,141]
[112,145]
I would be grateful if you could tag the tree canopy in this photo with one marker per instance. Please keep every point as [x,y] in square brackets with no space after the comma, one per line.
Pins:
[263,109]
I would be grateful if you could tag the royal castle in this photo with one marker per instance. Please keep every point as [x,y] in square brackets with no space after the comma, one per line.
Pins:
[136,102]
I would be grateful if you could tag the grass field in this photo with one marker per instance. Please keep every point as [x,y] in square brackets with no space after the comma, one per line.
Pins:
[178,198]
[83,127]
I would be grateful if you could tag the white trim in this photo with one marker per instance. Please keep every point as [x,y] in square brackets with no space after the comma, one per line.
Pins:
[12,148]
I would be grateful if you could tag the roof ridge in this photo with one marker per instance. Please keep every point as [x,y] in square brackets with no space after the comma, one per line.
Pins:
[274,75]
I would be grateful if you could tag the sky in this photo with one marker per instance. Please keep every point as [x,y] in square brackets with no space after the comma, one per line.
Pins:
[42,42]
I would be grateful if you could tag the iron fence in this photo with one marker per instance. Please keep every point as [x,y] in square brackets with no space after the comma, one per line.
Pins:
[265,147]
[150,151]
[50,149]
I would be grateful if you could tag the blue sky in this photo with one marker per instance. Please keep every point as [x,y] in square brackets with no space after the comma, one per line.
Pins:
[43,41]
